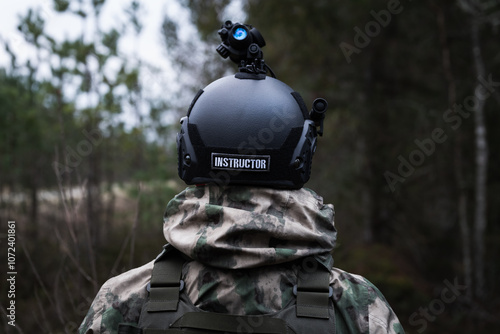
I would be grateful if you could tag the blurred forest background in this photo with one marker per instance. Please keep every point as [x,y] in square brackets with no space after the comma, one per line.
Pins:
[410,155]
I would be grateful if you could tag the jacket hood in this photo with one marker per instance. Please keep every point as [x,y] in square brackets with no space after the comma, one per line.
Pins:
[244,227]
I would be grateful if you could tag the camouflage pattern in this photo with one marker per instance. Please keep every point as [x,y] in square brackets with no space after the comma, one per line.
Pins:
[247,245]
[119,300]
[238,227]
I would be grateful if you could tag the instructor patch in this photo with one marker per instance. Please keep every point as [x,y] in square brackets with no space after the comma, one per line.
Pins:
[241,162]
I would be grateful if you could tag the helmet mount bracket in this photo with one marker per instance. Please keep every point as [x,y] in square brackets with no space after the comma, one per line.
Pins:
[242,43]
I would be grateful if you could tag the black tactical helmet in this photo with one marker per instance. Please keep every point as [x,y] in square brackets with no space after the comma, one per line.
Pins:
[248,129]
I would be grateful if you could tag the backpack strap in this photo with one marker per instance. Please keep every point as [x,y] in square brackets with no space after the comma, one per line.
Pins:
[313,292]
[166,281]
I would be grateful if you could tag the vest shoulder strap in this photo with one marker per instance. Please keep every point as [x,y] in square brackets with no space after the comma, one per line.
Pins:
[166,281]
[313,292]
[169,312]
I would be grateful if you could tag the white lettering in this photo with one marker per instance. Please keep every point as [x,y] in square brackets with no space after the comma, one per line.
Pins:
[241,163]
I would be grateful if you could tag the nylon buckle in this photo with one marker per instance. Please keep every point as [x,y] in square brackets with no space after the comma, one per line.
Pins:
[330,290]
[181,286]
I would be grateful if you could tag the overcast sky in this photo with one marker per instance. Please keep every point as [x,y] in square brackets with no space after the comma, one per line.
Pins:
[149,47]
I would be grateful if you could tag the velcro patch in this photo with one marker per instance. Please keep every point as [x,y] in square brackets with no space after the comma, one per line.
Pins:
[241,162]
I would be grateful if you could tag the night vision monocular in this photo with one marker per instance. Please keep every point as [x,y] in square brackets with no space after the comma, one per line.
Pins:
[242,43]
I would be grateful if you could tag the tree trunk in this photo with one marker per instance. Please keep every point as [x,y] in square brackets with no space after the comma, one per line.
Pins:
[457,152]
[93,214]
[481,159]
[34,207]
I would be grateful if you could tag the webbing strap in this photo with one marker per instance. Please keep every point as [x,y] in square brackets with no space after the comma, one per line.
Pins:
[128,329]
[200,322]
[165,281]
[228,323]
[313,293]
[169,331]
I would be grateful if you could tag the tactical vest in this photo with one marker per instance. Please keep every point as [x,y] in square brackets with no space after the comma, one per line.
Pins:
[170,311]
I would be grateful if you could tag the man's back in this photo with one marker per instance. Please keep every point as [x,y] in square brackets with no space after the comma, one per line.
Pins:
[247,247]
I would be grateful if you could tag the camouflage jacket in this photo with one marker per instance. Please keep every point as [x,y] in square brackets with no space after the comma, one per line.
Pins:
[242,242]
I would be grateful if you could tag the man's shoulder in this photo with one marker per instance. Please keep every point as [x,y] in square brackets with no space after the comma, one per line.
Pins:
[120,299]
[361,305]
[131,280]
[351,283]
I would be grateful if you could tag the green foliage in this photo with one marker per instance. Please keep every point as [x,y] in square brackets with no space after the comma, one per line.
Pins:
[206,15]
[25,146]
[64,152]
[110,40]
[61,5]
[170,31]
[134,12]
[32,26]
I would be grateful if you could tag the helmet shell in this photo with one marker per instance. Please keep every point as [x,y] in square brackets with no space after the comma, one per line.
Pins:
[246,129]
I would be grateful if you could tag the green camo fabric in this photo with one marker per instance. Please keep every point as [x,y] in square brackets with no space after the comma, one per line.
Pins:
[245,244]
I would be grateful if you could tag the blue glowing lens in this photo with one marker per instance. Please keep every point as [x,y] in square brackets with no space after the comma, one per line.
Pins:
[240,34]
